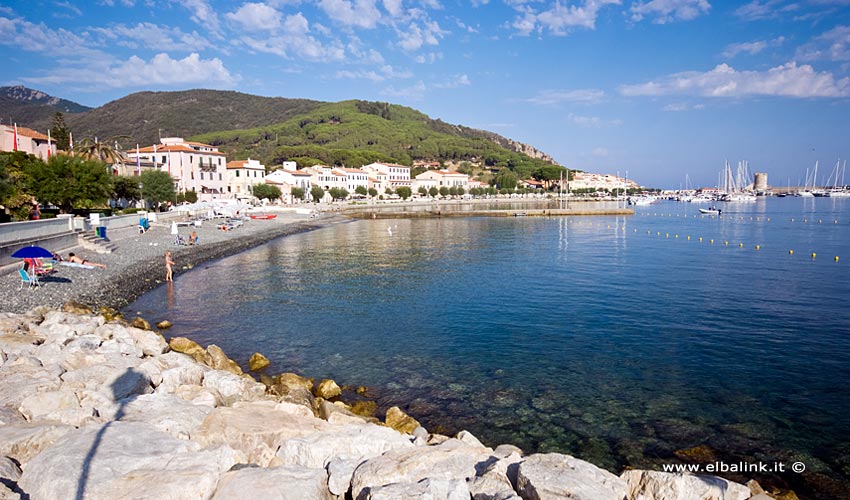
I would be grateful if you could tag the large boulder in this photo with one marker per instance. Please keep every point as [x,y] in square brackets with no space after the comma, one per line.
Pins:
[234,388]
[188,347]
[218,360]
[258,362]
[256,428]
[167,413]
[291,388]
[19,382]
[451,460]
[327,389]
[555,476]
[23,441]
[400,421]
[448,489]
[125,460]
[275,483]
[657,485]
[345,442]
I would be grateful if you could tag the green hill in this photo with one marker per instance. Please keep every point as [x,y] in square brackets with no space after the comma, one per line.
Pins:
[33,108]
[147,116]
[355,133]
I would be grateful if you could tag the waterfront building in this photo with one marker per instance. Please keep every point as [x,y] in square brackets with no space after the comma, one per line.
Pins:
[444,178]
[242,175]
[193,165]
[354,178]
[26,140]
[286,179]
[584,180]
[388,175]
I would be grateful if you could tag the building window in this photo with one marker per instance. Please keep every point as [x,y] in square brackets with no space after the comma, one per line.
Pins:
[219,176]
[237,173]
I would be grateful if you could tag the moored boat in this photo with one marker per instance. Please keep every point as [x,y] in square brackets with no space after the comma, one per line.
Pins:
[264,216]
[710,211]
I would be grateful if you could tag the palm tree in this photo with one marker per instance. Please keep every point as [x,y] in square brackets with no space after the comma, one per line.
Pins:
[94,149]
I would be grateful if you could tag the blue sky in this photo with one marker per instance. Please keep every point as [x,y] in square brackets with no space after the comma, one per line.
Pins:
[660,89]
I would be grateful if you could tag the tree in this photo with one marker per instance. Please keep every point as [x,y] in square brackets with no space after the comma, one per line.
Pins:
[444,191]
[14,194]
[59,132]
[361,190]
[549,173]
[191,196]
[266,191]
[157,187]
[297,192]
[505,179]
[125,187]
[460,191]
[317,193]
[404,192]
[69,182]
[338,193]
[433,191]
[453,191]
[373,192]
[422,191]
[100,150]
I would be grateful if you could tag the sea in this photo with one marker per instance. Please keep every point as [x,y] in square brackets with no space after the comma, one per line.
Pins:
[663,337]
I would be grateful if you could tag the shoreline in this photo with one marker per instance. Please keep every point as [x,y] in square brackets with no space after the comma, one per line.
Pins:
[137,266]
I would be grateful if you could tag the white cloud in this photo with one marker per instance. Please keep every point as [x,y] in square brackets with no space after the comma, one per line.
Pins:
[415,92]
[455,82]
[666,11]
[559,18]
[555,97]
[359,13]
[788,80]
[394,7]
[415,37]
[429,58]
[386,72]
[31,37]
[677,107]
[68,5]
[592,121]
[751,48]
[757,10]
[834,45]
[295,40]
[203,14]
[136,72]
[256,16]
[152,36]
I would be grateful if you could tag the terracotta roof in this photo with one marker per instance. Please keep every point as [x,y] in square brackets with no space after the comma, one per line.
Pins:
[28,132]
[296,172]
[351,170]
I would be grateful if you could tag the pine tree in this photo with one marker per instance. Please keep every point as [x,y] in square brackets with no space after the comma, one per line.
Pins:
[59,132]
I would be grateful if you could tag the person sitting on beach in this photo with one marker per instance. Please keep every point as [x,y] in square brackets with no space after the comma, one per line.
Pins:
[77,260]
[193,237]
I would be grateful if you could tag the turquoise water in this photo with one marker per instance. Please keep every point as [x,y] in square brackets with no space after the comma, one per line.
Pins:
[616,339]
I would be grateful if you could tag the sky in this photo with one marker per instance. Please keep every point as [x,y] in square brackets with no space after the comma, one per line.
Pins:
[663,91]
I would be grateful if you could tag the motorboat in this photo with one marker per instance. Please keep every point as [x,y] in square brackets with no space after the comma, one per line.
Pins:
[710,211]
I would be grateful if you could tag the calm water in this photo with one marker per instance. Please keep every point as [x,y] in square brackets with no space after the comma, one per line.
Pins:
[615,339]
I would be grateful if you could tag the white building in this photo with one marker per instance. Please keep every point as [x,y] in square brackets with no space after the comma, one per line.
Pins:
[444,178]
[193,165]
[326,177]
[354,178]
[584,180]
[242,175]
[388,175]
[286,179]
[28,140]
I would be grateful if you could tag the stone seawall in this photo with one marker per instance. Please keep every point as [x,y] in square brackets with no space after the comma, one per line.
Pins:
[94,407]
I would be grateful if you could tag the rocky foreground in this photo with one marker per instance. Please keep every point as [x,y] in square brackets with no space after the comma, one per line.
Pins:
[93,407]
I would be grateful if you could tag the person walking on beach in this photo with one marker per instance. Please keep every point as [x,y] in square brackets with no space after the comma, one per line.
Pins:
[168,264]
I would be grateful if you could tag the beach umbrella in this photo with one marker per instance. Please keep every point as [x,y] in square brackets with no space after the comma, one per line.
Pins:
[32,252]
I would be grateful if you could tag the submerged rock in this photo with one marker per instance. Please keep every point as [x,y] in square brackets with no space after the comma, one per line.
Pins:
[218,360]
[140,323]
[186,346]
[164,325]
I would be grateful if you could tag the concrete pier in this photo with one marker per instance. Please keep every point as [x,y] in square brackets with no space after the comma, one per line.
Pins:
[554,212]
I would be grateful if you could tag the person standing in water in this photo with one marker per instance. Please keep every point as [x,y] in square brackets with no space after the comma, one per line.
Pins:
[168,264]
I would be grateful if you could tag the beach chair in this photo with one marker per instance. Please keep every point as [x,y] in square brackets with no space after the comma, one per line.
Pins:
[26,278]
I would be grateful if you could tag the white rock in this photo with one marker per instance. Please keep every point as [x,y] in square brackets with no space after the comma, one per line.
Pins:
[195,394]
[9,469]
[113,346]
[21,382]
[18,344]
[151,343]
[124,460]
[10,416]
[99,403]
[234,388]
[7,494]
[448,489]
[59,326]
[650,485]
[167,413]
[175,376]
[152,370]
[451,459]
[339,475]
[552,475]
[43,403]
[276,483]
[469,439]
[26,440]
[118,379]
[506,450]
[497,480]
[257,429]
[347,442]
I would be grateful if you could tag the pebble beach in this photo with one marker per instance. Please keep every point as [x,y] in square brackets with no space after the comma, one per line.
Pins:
[138,263]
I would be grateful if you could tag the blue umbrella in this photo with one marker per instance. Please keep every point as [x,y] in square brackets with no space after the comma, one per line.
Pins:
[32,252]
